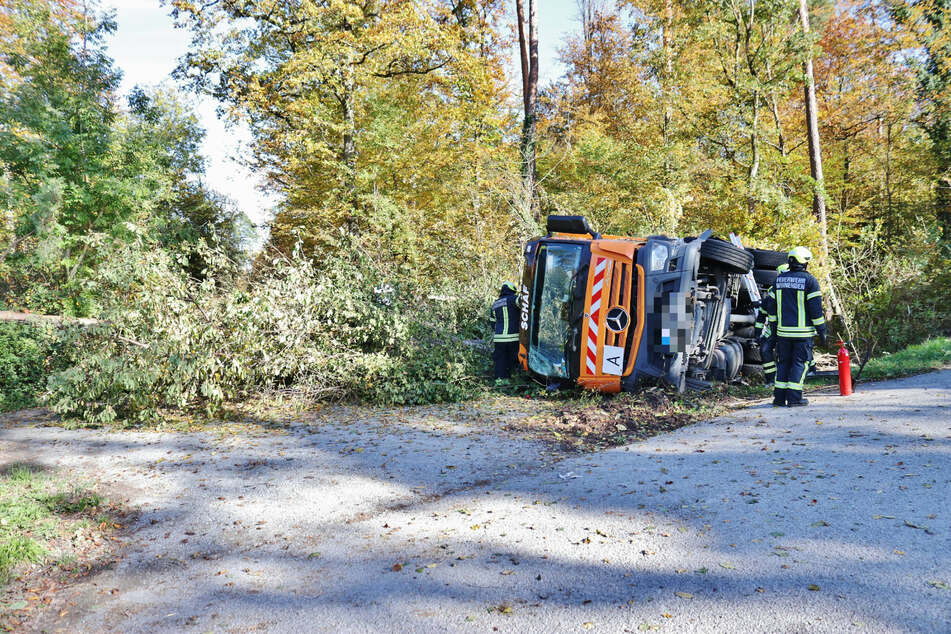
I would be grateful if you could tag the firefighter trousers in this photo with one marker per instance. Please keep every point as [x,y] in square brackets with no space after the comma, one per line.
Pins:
[768,356]
[504,356]
[792,363]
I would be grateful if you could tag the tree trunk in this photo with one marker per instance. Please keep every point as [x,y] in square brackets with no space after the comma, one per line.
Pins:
[812,128]
[815,159]
[33,318]
[522,50]
[667,43]
[846,177]
[348,155]
[529,59]
[754,158]
[888,168]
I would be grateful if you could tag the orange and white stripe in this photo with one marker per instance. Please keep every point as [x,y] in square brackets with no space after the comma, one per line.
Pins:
[594,315]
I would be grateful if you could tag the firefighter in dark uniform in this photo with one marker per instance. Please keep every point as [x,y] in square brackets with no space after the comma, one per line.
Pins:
[764,335]
[795,316]
[506,318]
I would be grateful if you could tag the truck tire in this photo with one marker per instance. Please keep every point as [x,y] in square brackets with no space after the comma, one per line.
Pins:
[765,277]
[765,259]
[751,354]
[753,370]
[726,256]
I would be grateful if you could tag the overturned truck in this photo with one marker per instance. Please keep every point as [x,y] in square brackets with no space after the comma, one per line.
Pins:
[612,313]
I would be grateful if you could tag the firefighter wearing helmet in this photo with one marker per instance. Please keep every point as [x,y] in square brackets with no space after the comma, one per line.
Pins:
[764,335]
[794,315]
[505,338]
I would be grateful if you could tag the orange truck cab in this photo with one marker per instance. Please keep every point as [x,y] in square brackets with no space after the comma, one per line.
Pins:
[612,312]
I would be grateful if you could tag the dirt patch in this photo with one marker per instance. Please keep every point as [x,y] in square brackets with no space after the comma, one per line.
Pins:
[597,422]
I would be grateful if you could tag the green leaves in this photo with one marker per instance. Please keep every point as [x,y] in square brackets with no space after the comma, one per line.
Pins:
[181,343]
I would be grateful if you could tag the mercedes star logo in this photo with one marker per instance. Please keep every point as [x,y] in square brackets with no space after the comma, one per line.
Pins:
[617,319]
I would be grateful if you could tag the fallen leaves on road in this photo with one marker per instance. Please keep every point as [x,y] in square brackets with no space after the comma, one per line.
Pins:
[593,424]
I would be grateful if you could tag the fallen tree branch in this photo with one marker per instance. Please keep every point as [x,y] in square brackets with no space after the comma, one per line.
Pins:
[6,315]
[59,320]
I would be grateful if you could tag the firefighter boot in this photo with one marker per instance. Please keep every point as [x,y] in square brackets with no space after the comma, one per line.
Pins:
[779,397]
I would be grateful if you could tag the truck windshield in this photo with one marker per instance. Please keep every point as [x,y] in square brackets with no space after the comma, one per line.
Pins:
[551,324]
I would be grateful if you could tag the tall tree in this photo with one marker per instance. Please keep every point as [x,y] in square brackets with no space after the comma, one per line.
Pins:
[812,127]
[528,54]
[378,117]
[930,21]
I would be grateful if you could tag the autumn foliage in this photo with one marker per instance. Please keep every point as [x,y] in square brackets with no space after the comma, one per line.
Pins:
[392,131]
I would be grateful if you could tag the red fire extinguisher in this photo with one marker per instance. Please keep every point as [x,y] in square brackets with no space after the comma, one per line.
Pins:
[845,370]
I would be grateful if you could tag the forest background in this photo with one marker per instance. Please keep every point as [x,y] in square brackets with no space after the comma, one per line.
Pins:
[396,143]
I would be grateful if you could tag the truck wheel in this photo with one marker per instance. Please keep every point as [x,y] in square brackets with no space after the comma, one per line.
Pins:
[765,277]
[753,370]
[726,256]
[766,259]
[751,354]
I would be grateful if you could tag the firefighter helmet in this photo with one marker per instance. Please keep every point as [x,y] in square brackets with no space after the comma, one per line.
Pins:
[509,285]
[802,255]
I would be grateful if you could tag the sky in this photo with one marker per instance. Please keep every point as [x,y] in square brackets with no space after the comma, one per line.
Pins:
[146,47]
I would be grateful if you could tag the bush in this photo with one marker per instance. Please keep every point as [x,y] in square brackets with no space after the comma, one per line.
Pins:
[175,342]
[897,296]
[24,354]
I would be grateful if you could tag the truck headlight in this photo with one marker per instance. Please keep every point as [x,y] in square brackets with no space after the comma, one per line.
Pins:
[658,257]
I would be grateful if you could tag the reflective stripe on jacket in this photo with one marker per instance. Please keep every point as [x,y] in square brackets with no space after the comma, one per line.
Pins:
[505,314]
[796,311]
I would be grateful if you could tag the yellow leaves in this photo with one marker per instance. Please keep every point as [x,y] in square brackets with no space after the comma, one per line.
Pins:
[813,587]
[684,595]
[588,625]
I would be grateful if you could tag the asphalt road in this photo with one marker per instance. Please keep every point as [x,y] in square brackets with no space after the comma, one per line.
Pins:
[831,518]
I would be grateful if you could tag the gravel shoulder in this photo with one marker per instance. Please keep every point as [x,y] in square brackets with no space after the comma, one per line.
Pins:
[829,518]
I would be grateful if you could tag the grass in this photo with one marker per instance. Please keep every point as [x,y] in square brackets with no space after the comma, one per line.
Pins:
[35,507]
[933,354]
